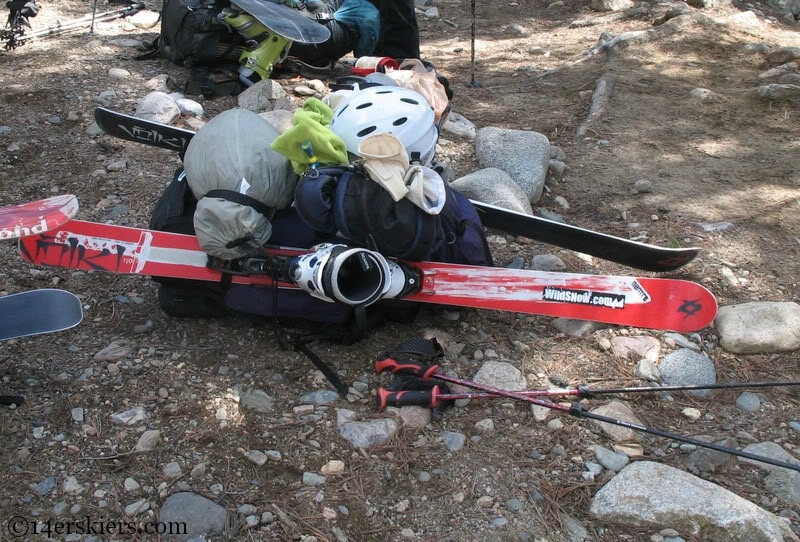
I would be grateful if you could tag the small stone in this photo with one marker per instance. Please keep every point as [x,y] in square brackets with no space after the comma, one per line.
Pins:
[691,413]
[555,425]
[332,468]
[643,186]
[748,402]
[257,457]
[313,479]
[485,501]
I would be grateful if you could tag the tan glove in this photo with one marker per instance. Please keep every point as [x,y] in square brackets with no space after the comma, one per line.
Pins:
[386,161]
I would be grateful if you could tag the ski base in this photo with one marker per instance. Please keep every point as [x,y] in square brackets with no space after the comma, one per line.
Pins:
[655,303]
[38,311]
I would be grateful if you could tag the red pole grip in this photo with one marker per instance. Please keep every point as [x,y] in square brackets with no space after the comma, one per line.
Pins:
[407,368]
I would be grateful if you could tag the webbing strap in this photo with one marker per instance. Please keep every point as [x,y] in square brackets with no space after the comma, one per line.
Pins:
[242,199]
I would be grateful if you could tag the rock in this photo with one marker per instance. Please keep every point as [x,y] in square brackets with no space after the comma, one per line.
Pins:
[501,374]
[260,96]
[610,459]
[611,5]
[772,450]
[778,91]
[415,417]
[189,107]
[759,327]
[748,402]
[148,441]
[145,19]
[332,468]
[704,459]
[313,479]
[129,417]
[137,507]
[686,367]
[636,347]
[158,107]
[783,55]
[619,411]
[113,352]
[368,434]
[200,515]
[500,148]
[454,441]
[547,262]
[256,456]
[576,328]
[685,503]
[496,187]
[643,186]
[784,484]
[257,400]
[458,125]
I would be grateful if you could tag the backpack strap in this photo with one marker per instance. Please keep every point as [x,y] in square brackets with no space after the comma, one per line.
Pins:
[242,199]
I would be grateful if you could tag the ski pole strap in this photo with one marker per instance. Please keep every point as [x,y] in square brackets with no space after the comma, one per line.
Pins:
[406,367]
[301,345]
[426,398]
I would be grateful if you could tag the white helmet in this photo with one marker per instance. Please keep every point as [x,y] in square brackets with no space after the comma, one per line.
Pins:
[398,110]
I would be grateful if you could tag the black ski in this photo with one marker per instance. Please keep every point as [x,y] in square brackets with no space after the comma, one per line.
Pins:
[607,247]
[145,131]
[38,311]
[615,249]
[35,312]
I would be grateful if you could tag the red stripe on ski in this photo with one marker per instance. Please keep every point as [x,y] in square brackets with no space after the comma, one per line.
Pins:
[35,217]
[656,303]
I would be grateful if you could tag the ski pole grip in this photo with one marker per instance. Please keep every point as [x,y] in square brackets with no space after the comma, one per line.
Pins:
[426,398]
[414,368]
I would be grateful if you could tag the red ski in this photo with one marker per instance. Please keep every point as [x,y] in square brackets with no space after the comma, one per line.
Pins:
[36,217]
[655,303]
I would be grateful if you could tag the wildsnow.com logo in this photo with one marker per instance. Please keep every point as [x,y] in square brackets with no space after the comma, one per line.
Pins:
[584,297]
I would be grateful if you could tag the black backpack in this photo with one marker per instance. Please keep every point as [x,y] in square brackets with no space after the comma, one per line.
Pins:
[194,37]
[174,211]
[192,34]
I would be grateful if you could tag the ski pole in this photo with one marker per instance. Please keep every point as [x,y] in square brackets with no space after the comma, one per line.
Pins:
[431,397]
[76,24]
[578,410]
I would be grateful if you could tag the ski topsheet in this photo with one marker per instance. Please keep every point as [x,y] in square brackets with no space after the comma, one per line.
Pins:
[607,247]
[632,301]
[36,217]
[38,311]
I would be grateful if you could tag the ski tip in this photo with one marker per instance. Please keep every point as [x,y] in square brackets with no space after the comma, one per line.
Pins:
[36,217]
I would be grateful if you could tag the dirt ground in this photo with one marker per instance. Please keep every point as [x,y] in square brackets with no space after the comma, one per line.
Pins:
[732,158]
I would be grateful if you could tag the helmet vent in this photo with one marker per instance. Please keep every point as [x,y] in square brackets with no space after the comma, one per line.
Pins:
[401,121]
[366,131]
[364,105]
[409,101]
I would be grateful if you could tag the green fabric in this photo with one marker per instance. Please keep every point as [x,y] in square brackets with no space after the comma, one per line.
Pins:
[312,123]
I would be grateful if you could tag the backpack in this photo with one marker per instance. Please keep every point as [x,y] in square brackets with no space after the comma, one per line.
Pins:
[344,201]
[194,37]
[191,33]
[174,211]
